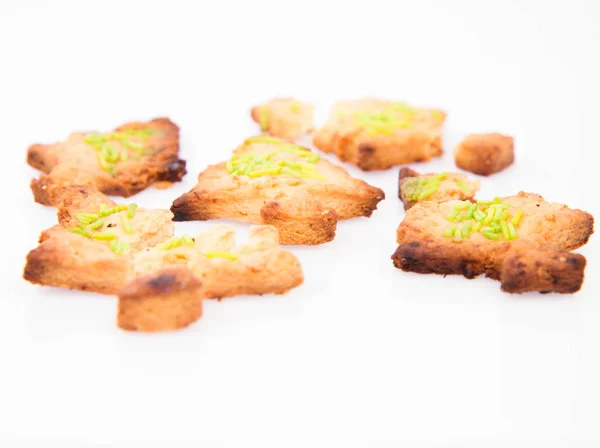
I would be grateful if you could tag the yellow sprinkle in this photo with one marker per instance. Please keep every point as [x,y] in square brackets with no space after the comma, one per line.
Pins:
[264,118]
[221,254]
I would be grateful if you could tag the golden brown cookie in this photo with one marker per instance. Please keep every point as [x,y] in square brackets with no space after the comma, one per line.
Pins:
[284,117]
[542,270]
[459,237]
[414,187]
[485,154]
[376,134]
[272,181]
[168,299]
[225,269]
[119,163]
[90,249]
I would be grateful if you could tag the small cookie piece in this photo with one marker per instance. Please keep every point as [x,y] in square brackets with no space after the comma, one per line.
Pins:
[119,163]
[271,181]
[485,154]
[284,117]
[91,248]
[226,270]
[169,299]
[543,271]
[375,134]
[459,237]
[414,187]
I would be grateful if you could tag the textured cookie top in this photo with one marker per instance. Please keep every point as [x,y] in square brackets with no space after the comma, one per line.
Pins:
[284,117]
[383,118]
[275,168]
[121,162]
[258,267]
[435,187]
[476,226]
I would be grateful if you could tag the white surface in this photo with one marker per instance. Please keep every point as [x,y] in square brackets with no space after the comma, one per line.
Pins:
[361,354]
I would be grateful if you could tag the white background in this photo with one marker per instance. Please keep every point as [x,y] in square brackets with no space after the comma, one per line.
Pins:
[361,354]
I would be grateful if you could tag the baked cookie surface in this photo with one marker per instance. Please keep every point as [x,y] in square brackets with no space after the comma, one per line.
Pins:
[120,163]
[458,237]
[90,249]
[169,299]
[376,134]
[271,181]
[284,117]
[414,187]
[100,246]
[485,154]
[225,269]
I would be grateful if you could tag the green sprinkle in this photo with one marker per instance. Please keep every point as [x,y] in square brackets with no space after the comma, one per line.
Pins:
[108,212]
[104,236]
[459,218]
[104,163]
[517,218]
[229,166]
[88,216]
[239,169]
[122,247]
[495,227]
[79,231]
[463,185]
[498,213]
[264,118]
[84,221]
[96,224]
[102,208]
[131,210]
[221,254]
[505,231]
[132,145]
[490,216]
[109,153]
[467,226]
[303,152]
[188,241]
[294,106]
[484,202]
[428,190]
[497,200]
[118,247]
[289,163]
[93,139]
[477,227]
[124,155]
[491,236]
[171,243]
[458,235]
[314,158]
[478,215]
[249,167]
[512,231]
[126,224]
[470,211]
[449,232]
[462,205]
[452,216]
